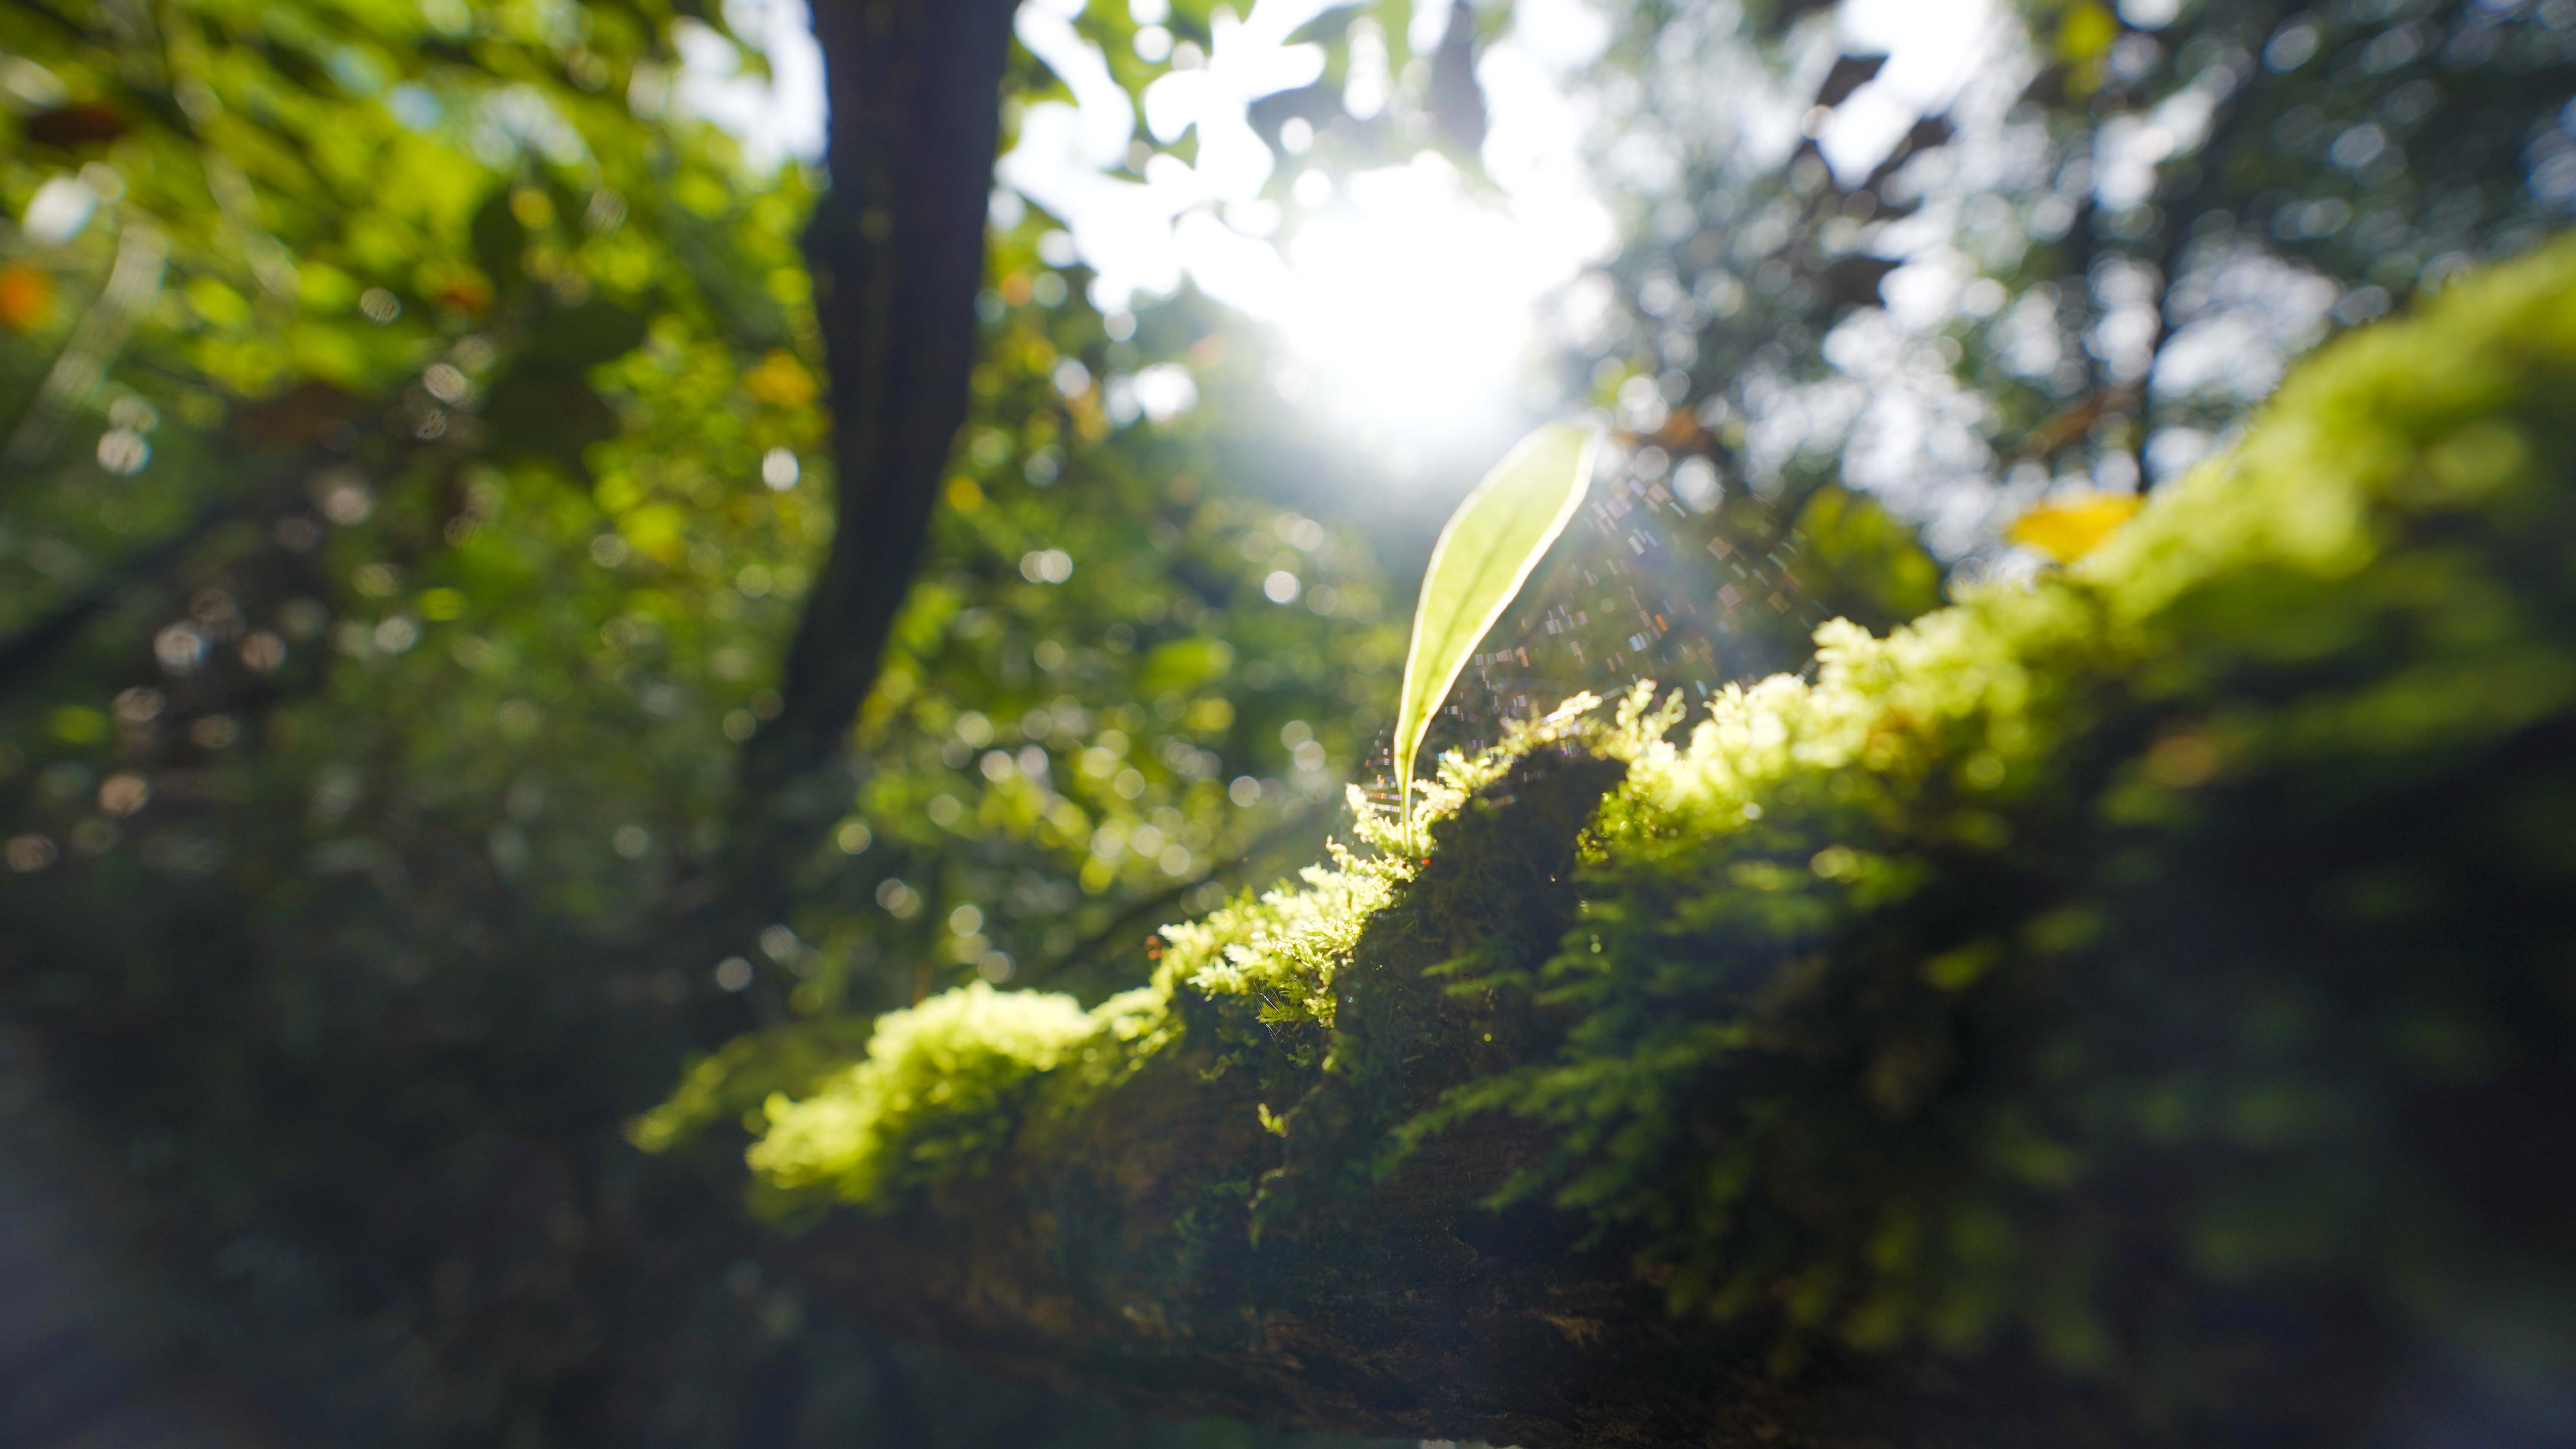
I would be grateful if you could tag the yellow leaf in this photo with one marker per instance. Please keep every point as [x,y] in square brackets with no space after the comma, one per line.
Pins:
[781,381]
[2086,34]
[2068,531]
[79,724]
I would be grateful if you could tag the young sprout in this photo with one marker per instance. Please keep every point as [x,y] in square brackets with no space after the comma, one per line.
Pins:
[1485,553]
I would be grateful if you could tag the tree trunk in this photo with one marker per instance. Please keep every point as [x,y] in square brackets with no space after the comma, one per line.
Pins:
[897,250]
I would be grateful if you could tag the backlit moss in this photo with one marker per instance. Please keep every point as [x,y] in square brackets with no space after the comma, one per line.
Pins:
[2159,875]
[2132,915]
[944,1084]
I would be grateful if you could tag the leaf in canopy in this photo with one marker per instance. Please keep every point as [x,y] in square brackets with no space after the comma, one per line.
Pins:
[1860,562]
[1485,553]
[1182,666]
[1395,20]
[577,338]
[551,417]
[1330,29]
[728,281]
[500,241]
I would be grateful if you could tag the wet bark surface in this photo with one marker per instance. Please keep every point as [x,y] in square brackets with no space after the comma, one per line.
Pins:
[1414,1311]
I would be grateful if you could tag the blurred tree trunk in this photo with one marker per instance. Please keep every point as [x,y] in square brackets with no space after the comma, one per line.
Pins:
[897,250]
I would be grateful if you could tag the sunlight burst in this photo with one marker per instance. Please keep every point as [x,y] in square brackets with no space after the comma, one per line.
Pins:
[1414,299]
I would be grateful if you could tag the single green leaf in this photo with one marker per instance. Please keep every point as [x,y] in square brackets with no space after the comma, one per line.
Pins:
[1484,555]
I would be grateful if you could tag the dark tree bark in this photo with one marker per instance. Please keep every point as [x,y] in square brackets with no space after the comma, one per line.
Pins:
[1418,1313]
[897,249]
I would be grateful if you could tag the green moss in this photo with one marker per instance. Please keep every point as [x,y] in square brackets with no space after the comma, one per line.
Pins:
[2140,914]
[2184,872]
[726,1085]
[945,1084]
[1282,951]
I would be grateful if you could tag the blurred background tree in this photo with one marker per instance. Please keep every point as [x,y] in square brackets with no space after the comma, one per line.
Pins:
[489,615]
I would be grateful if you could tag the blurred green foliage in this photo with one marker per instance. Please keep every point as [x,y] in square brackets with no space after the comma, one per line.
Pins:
[427,519]
[415,456]
[2101,247]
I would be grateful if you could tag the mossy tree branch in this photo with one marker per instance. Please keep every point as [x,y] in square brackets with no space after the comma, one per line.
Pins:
[1163,1247]
[2127,1008]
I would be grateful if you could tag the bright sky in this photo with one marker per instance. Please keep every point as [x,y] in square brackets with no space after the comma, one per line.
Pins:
[1931,47]
[1399,293]
[1396,289]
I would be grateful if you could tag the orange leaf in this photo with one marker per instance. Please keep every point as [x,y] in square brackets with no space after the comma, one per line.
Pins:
[26,295]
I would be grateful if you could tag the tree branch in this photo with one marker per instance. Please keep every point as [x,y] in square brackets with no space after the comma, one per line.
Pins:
[1916,1061]
[28,649]
[1119,1250]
